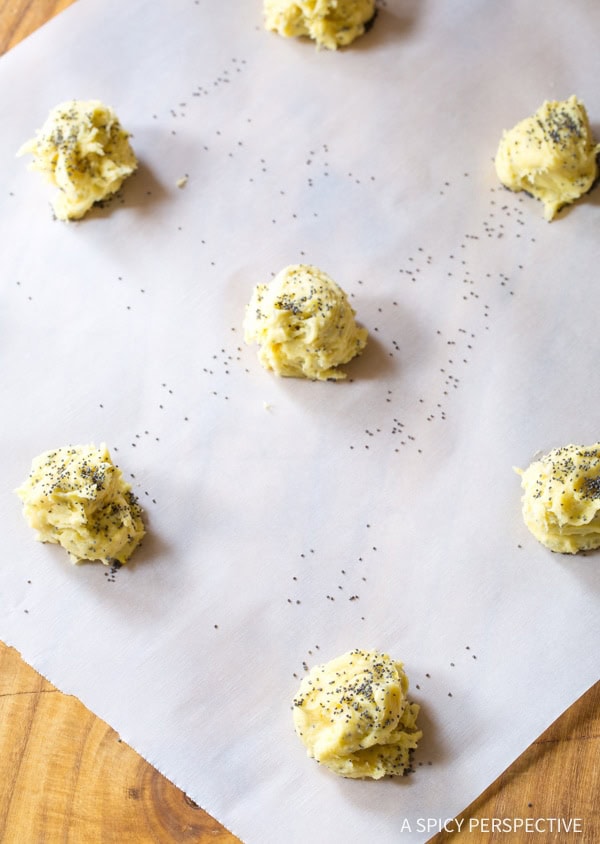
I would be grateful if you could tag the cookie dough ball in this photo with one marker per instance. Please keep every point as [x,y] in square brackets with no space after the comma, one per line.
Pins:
[76,497]
[353,716]
[561,498]
[551,155]
[304,324]
[82,150]
[331,23]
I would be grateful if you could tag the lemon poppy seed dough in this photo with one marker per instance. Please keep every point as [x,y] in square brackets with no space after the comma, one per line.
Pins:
[77,498]
[551,155]
[82,150]
[304,325]
[330,23]
[353,716]
[561,498]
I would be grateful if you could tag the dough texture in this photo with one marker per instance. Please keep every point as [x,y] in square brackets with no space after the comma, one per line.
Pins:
[331,23]
[304,324]
[561,498]
[76,497]
[82,150]
[353,716]
[551,155]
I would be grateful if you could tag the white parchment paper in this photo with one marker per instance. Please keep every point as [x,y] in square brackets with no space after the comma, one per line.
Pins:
[291,521]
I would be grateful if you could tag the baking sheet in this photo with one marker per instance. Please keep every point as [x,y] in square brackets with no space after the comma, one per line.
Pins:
[291,521]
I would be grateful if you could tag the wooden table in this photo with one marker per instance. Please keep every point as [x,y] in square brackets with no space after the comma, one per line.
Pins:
[65,776]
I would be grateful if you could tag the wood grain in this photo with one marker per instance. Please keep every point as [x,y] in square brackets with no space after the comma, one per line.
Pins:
[558,776]
[65,776]
[19,18]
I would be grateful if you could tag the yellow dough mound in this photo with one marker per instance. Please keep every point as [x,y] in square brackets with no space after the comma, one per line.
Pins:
[561,499]
[551,155]
[353,716]
[304,324]
[331,23]
[83,151]
[76,497]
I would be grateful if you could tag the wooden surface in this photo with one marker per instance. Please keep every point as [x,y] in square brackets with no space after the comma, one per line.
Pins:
[19,18]
[66,777]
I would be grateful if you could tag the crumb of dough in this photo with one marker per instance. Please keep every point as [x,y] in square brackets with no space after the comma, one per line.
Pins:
[331,23]
[353,716]
[551,155]
[304,325]
[76,497]
[82,150]
[561,498]
[181,183]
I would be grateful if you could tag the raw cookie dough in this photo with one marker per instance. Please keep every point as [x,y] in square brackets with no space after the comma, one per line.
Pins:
[75,496]
[304,324]
[561,499]
[551,155]
[83,151]
[353,716]
[331,23]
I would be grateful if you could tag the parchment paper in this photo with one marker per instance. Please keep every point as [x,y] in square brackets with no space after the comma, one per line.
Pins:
[290,521]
